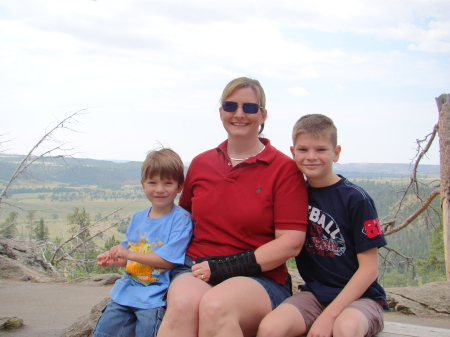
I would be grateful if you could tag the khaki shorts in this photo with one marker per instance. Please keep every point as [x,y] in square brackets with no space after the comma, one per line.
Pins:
[310,308]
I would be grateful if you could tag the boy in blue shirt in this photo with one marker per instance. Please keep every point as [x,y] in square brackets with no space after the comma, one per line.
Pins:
[156,241]
[339,261]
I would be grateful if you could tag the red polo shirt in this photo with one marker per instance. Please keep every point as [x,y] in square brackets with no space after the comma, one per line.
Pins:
[238,208]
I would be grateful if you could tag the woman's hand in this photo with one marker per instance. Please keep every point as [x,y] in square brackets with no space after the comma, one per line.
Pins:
[201,271]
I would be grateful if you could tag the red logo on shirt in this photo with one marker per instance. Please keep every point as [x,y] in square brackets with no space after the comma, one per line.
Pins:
[372,228]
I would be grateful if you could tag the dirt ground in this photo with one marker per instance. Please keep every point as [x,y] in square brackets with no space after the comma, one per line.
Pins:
[49,308]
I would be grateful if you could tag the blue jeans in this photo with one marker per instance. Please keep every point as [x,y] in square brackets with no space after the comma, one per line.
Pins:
[277,292]
[122,321]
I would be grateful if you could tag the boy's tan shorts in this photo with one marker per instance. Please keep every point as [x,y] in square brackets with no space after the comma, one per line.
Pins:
[310,308]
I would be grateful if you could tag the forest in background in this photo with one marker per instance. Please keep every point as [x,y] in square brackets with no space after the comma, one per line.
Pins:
[56,196]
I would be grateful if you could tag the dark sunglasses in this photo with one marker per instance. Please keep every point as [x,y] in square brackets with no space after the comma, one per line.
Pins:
[249,108]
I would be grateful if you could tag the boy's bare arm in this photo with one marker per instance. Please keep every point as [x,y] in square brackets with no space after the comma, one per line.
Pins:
[119,252]
[356,286]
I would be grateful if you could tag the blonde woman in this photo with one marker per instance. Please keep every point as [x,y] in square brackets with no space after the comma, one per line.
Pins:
[249,206]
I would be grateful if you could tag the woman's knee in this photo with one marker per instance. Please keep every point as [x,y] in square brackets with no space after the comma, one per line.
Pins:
[184,295]
[213,304]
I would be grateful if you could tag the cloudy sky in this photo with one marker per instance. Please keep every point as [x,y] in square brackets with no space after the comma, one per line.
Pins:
[151,72]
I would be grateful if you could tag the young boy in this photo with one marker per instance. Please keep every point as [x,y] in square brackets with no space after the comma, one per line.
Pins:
[339,261]
[156,241]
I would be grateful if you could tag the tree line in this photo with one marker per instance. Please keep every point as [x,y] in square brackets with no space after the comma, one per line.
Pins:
[412,205]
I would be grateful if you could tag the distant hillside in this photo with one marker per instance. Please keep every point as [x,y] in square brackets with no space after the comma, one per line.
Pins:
[75,171]
[371,170]
[110,173]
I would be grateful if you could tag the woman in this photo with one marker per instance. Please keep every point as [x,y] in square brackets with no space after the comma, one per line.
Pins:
[249,205]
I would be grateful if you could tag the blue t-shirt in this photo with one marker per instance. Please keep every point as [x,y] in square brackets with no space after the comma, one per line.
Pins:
[143,286]
[342,222]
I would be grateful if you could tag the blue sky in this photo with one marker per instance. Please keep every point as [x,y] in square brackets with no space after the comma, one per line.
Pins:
[151,72]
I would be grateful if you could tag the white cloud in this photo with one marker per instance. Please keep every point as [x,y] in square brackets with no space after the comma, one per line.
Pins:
[153,70]
[299,91]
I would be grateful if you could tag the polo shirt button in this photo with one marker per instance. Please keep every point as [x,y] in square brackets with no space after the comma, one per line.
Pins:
[229,163]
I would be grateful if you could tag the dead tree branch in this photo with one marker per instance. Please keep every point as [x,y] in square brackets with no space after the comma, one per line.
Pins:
[413,187]
[408,261]
[31,157]
[423,152]
[412,217]
[76,236]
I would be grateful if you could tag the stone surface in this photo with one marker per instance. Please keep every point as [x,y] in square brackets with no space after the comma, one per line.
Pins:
[84,326]
[8,323]
[431,299]
[21,264]
[96,280]
[428,300]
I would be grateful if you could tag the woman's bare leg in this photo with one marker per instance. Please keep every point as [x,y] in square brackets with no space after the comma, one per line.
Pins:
[235,307]
[183,300]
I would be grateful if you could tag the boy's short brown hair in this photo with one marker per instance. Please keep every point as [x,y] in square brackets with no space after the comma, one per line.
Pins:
[165,163]
[316,125]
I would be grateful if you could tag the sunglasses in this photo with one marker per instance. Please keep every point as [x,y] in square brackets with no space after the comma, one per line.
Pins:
[249,108]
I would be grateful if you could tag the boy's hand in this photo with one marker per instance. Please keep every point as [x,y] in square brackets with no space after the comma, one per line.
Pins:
[104,260]
[119,252]
[322,327]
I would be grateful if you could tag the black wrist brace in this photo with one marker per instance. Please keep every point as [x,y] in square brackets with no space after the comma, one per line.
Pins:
[224,267]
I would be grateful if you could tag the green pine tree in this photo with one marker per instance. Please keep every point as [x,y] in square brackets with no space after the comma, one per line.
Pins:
[111,242]
[79,222]
[432,268]
[8,229]
[41,231]
[30,220]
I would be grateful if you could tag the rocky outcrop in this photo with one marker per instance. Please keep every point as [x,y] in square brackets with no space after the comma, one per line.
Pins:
[84,326]
[96,280]
[431,299]
[8,323]
[22,264]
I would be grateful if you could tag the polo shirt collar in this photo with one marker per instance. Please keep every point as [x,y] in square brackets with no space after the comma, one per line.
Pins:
[267,155]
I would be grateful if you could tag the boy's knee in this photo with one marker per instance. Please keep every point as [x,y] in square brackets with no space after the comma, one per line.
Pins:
[345,327]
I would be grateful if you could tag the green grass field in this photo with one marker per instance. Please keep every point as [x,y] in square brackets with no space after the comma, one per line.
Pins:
[55,213]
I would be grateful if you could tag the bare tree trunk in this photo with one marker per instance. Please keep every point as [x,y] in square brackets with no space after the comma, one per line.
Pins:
[443,103]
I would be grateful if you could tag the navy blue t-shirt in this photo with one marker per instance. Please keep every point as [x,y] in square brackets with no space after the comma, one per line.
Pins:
[342,222]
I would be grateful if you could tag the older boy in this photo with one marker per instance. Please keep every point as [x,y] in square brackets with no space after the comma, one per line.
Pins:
[339,261]
[156,241]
